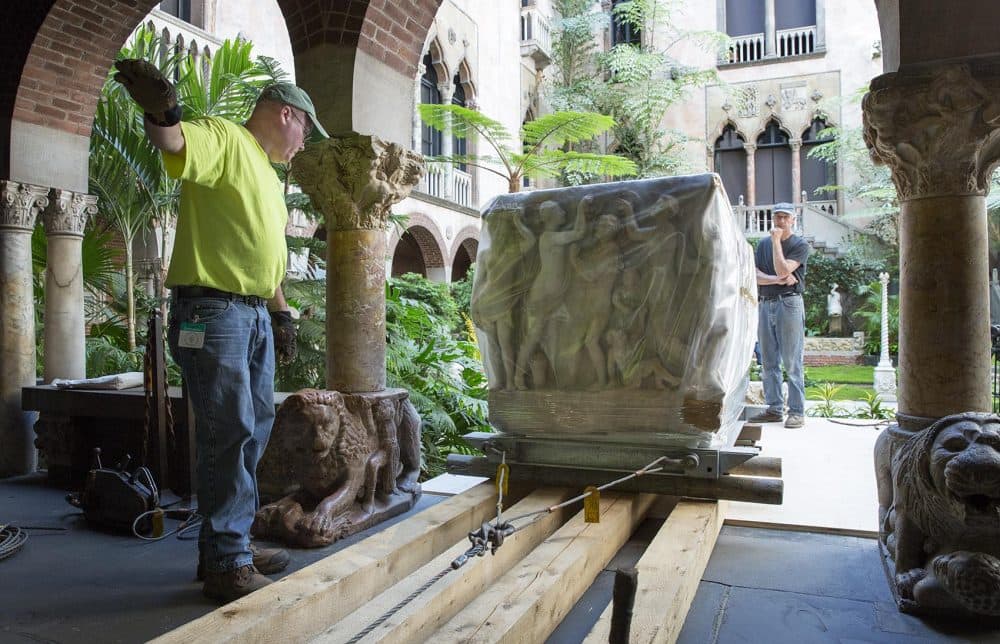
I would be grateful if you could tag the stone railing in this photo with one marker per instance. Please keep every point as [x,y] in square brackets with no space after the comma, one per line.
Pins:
[744,49]
[432,183]
[536,37]
[829,207]
[461,188]
[177,36]
[795,42]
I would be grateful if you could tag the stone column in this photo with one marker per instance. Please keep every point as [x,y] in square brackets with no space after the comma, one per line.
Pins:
[418,132]
[751,149]
[885,373]
[19,207]
[64,219]
[353,180]
[769,34]
[938,129]
[447,149]
[796,146]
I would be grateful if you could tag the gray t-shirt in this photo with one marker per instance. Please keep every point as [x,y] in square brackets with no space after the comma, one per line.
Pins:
[795,248]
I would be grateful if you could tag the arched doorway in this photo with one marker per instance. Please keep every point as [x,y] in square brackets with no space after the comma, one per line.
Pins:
[730,162]
[773,166]
[408,258]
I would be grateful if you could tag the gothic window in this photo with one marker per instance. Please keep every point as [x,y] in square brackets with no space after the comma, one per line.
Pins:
[773,166]
[430,139]
[789,14]
[730,162]
[459,146]
[622,32]
[177,8]
[817,173]
[744,17]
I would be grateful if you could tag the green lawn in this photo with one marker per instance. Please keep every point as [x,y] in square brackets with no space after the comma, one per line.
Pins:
[854,380]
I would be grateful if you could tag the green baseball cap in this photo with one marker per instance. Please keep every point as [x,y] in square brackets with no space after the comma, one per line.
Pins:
[295,96]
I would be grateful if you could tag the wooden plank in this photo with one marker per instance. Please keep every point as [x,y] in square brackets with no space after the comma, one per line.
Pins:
[750,432]
[439,603]
[528,602]
[795,527]
[305,602]
[669,573]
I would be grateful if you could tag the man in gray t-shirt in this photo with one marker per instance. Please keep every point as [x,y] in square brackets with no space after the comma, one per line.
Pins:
[781,271]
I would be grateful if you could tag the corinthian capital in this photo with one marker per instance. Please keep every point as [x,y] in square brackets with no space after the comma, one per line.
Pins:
[67,212]
[354,179]
[937,128]
[20,204]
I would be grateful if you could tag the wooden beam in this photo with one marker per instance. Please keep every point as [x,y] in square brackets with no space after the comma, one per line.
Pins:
[528,602]
[440,602]
[305,602]
[669,573]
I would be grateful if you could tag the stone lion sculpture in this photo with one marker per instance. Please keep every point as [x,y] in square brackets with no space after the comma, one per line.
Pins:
[351,461]
[939,514]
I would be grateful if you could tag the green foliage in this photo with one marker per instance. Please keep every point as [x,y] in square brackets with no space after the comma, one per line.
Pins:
[873,408]
[842,374]
[436,295]
[635,85]
[461,291]
[850,273]
[544,152]
[826,393]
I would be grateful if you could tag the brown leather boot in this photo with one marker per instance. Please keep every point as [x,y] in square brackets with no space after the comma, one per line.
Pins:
[267,561]
[232,584]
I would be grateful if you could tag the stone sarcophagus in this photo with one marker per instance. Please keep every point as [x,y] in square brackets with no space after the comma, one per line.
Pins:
[620,312]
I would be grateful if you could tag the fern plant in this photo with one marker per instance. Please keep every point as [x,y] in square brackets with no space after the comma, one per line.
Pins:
[545,141]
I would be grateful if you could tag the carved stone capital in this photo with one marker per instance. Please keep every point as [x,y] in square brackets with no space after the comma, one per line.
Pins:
[20,204]
[67,212]
[936,127]
[354,179]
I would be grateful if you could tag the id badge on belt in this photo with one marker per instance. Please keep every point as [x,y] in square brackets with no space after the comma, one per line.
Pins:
[192,335]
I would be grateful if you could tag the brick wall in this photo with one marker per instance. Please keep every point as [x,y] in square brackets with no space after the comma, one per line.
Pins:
[55,53]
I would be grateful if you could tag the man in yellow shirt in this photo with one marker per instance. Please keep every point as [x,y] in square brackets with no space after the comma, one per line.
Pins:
[228,316]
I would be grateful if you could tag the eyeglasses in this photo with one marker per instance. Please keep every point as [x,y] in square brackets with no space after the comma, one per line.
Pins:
[306,124]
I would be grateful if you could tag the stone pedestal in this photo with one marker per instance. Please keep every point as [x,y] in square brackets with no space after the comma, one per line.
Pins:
[19,207]
[938,128]
[65,219]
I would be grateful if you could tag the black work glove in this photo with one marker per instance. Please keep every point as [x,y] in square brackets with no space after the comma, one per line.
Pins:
[284,336]
[150,90]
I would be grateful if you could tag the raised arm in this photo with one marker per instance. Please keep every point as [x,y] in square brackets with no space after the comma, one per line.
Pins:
[157,98]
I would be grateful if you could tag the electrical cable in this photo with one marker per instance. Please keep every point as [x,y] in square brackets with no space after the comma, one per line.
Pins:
[12,539]
[189,519]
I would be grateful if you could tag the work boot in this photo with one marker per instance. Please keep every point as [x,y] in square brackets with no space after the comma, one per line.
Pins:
[267,561]
[767,416]
[232,584]
[794,421]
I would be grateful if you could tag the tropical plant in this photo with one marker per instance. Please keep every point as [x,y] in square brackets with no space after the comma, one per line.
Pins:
[850,272]
[826,393]
[873,408]
[635,84]
[869,312]
[542,153]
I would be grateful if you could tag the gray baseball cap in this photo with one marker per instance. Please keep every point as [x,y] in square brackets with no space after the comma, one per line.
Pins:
[785,207]
[295,96]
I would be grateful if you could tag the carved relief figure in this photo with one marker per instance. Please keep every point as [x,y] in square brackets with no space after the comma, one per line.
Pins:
[548,289]
[349,455]
[504,270]
[939,511]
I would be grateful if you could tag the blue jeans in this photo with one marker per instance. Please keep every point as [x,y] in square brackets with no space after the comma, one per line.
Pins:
[230,382]
[781,331]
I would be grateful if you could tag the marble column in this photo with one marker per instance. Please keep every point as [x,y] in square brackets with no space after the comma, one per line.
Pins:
[796,146]
[751,150]
[353,180]
[64,220]
[447,148]
[19,207]
[938,130]
[769,33]
[418,130]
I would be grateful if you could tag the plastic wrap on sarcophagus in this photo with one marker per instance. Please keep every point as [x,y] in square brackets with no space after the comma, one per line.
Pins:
[617,312]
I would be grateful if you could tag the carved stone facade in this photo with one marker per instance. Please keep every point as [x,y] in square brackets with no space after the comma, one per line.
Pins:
[20,204]
[343,463]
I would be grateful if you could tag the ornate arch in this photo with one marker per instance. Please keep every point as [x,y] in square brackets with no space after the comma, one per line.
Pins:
[464,74]
[428,236]
[468,237]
